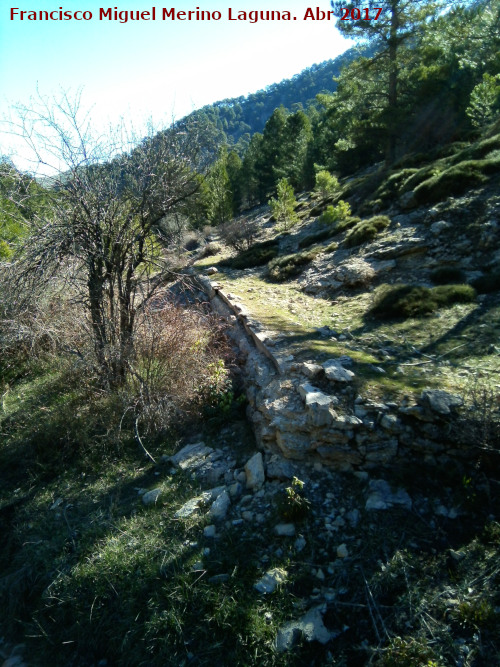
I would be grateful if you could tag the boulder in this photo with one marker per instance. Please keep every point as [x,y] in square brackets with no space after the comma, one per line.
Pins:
[335,372]
[441,401]
[254,471]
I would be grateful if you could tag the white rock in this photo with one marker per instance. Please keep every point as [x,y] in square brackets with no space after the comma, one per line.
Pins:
[254,471]
[192,506]
[310,627]
[210,531]
[188,455]
[310,370]
[220,506]
[336,372]
[270,581]
[342,551]
[285,529]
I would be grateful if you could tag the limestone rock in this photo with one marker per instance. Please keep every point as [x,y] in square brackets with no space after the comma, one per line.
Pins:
[192,506]
[310,627]
[355,271]
[151,497]
[191,455]
[220,506]
[336,372]
[310,370]
[382,497]
[278,468]
[342,551]
[284,529]
[254,471]
[441,401]
[271,580]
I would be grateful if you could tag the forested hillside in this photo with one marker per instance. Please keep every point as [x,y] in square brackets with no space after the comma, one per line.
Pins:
[414,90]
[237,118]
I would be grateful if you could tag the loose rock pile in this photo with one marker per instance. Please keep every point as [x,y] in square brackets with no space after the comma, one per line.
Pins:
[247,501]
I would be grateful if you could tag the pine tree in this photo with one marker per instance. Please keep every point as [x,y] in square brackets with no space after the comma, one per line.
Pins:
[399,23]
[283,208]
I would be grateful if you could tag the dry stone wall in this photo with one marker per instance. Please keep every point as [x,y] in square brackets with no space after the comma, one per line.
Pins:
[312,411]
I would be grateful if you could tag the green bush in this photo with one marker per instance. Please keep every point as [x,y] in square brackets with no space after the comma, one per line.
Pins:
[488,283]
[366,230]
[289,266]
[393,184]
[447,275]
[456,179]
[317,237]
[331,247]
[402,301]
[332,215]
[257,255]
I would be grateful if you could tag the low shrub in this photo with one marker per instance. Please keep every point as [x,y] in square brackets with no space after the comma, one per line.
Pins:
[489,282]
[258,255]
[366,230]
[209,250]
[317,237]
[289,266]
[447,275]
[331,247]
[239,234]
[402,301]
[179,366]
[456,179]
[393,184]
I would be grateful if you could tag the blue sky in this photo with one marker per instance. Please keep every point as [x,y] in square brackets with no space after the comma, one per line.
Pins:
[155,69]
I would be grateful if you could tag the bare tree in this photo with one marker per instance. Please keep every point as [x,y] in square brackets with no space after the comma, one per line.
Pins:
[106,201]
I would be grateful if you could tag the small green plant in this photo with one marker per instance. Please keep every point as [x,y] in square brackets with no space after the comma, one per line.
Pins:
[403,652]
[294,506]
[332,215]
[366,230]
[479,613]
[484,104]
[326,184]
[283,208]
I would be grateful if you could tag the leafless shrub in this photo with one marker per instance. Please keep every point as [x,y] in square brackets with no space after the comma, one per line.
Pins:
[239,234]
[181,361]
[479,422]
[210,250]
[41,323]
[101,214]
